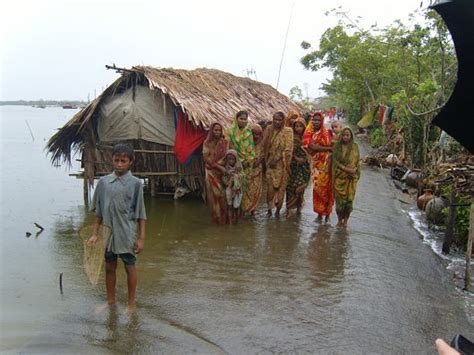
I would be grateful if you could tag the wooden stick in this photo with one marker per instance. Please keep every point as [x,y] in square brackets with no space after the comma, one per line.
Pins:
[140,150]
[31,132]
[38,226]
[61,283]
[467,275]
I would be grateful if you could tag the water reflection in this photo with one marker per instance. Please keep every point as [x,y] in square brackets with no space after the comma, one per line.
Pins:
[327,254]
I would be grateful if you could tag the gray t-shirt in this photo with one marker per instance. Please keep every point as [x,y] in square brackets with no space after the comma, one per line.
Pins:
[118,200]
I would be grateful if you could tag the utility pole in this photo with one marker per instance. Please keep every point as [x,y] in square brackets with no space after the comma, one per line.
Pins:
[284,45]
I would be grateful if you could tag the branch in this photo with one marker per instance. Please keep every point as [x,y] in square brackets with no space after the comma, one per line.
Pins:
[117,69]
[424,113]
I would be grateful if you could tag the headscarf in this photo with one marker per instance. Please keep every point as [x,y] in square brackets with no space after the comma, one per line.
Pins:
[349,157]
[241,140]
[232,152]
[338,154]
[256,128]
[320,137]
[299,120]
[290,118]
[216,151]
[235,154]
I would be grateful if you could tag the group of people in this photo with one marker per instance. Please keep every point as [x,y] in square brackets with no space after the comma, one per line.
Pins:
[289,152]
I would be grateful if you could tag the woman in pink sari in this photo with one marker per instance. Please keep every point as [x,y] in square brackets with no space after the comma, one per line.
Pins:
[317,140]
[214,150]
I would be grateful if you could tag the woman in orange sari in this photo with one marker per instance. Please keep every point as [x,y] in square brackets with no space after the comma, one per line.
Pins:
[214,150]
[317,141]
[253,193]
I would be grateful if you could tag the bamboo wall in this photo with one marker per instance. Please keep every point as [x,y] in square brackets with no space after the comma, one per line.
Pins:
[154,162]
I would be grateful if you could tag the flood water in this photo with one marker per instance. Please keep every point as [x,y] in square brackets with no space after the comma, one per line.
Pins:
[265,285]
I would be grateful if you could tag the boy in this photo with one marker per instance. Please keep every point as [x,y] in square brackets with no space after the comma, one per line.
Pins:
[118,204]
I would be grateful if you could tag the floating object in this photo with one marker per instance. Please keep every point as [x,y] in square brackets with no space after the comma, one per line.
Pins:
[423,200]
[180,192]
[28,234]
[434,210]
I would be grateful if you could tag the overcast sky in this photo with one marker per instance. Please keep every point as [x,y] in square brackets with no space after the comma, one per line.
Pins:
[58,49]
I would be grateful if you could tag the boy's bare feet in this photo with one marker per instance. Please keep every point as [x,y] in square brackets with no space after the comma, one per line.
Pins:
[102,307]
[269,213]
[131,308]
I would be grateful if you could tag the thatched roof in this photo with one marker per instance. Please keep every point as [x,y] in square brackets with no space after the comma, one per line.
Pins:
[205,95]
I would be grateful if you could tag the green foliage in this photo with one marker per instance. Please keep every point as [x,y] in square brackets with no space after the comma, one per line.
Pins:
[296,94]
[405,67]
[461,224]
[377,137]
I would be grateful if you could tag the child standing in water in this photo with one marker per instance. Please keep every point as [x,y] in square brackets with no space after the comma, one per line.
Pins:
[118,204]
[232,180]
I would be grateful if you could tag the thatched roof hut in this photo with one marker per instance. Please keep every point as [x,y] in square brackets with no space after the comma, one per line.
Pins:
[160,112]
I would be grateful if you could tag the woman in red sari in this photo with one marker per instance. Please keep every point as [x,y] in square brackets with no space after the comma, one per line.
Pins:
[317,141]
[214,150]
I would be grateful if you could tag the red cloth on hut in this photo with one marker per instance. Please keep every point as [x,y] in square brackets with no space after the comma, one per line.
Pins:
[188,138]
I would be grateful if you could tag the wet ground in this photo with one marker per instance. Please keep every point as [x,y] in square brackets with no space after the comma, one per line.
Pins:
[265,285]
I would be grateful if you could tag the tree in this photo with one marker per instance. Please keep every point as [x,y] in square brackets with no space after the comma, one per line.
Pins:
[412,69]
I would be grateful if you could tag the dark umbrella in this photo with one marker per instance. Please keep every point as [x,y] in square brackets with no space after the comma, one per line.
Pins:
[456,117]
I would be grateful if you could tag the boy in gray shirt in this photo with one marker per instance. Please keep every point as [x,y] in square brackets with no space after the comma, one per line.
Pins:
[118,204]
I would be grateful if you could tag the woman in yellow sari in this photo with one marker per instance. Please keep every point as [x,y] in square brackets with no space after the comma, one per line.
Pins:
[278,151]
[252,195]
[318,143]
[240,139]
[214,150]
[346,173]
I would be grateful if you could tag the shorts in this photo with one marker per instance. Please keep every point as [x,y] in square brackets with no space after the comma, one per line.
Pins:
[127,258]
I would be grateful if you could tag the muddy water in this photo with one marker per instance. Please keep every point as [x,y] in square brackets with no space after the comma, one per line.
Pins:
[265,285]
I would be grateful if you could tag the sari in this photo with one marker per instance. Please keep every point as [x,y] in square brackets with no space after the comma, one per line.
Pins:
[299,173]
[278,145]
[241,140]
[253,193]
[213,151]
[323,199]
[344,185]
[291,118]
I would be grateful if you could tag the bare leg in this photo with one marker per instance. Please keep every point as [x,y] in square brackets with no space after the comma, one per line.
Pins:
[277,213]
[270,200]
[110,280]
[299,204]
[326,219]
[346,217]
[319,219]
[340,218]
[131,285]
